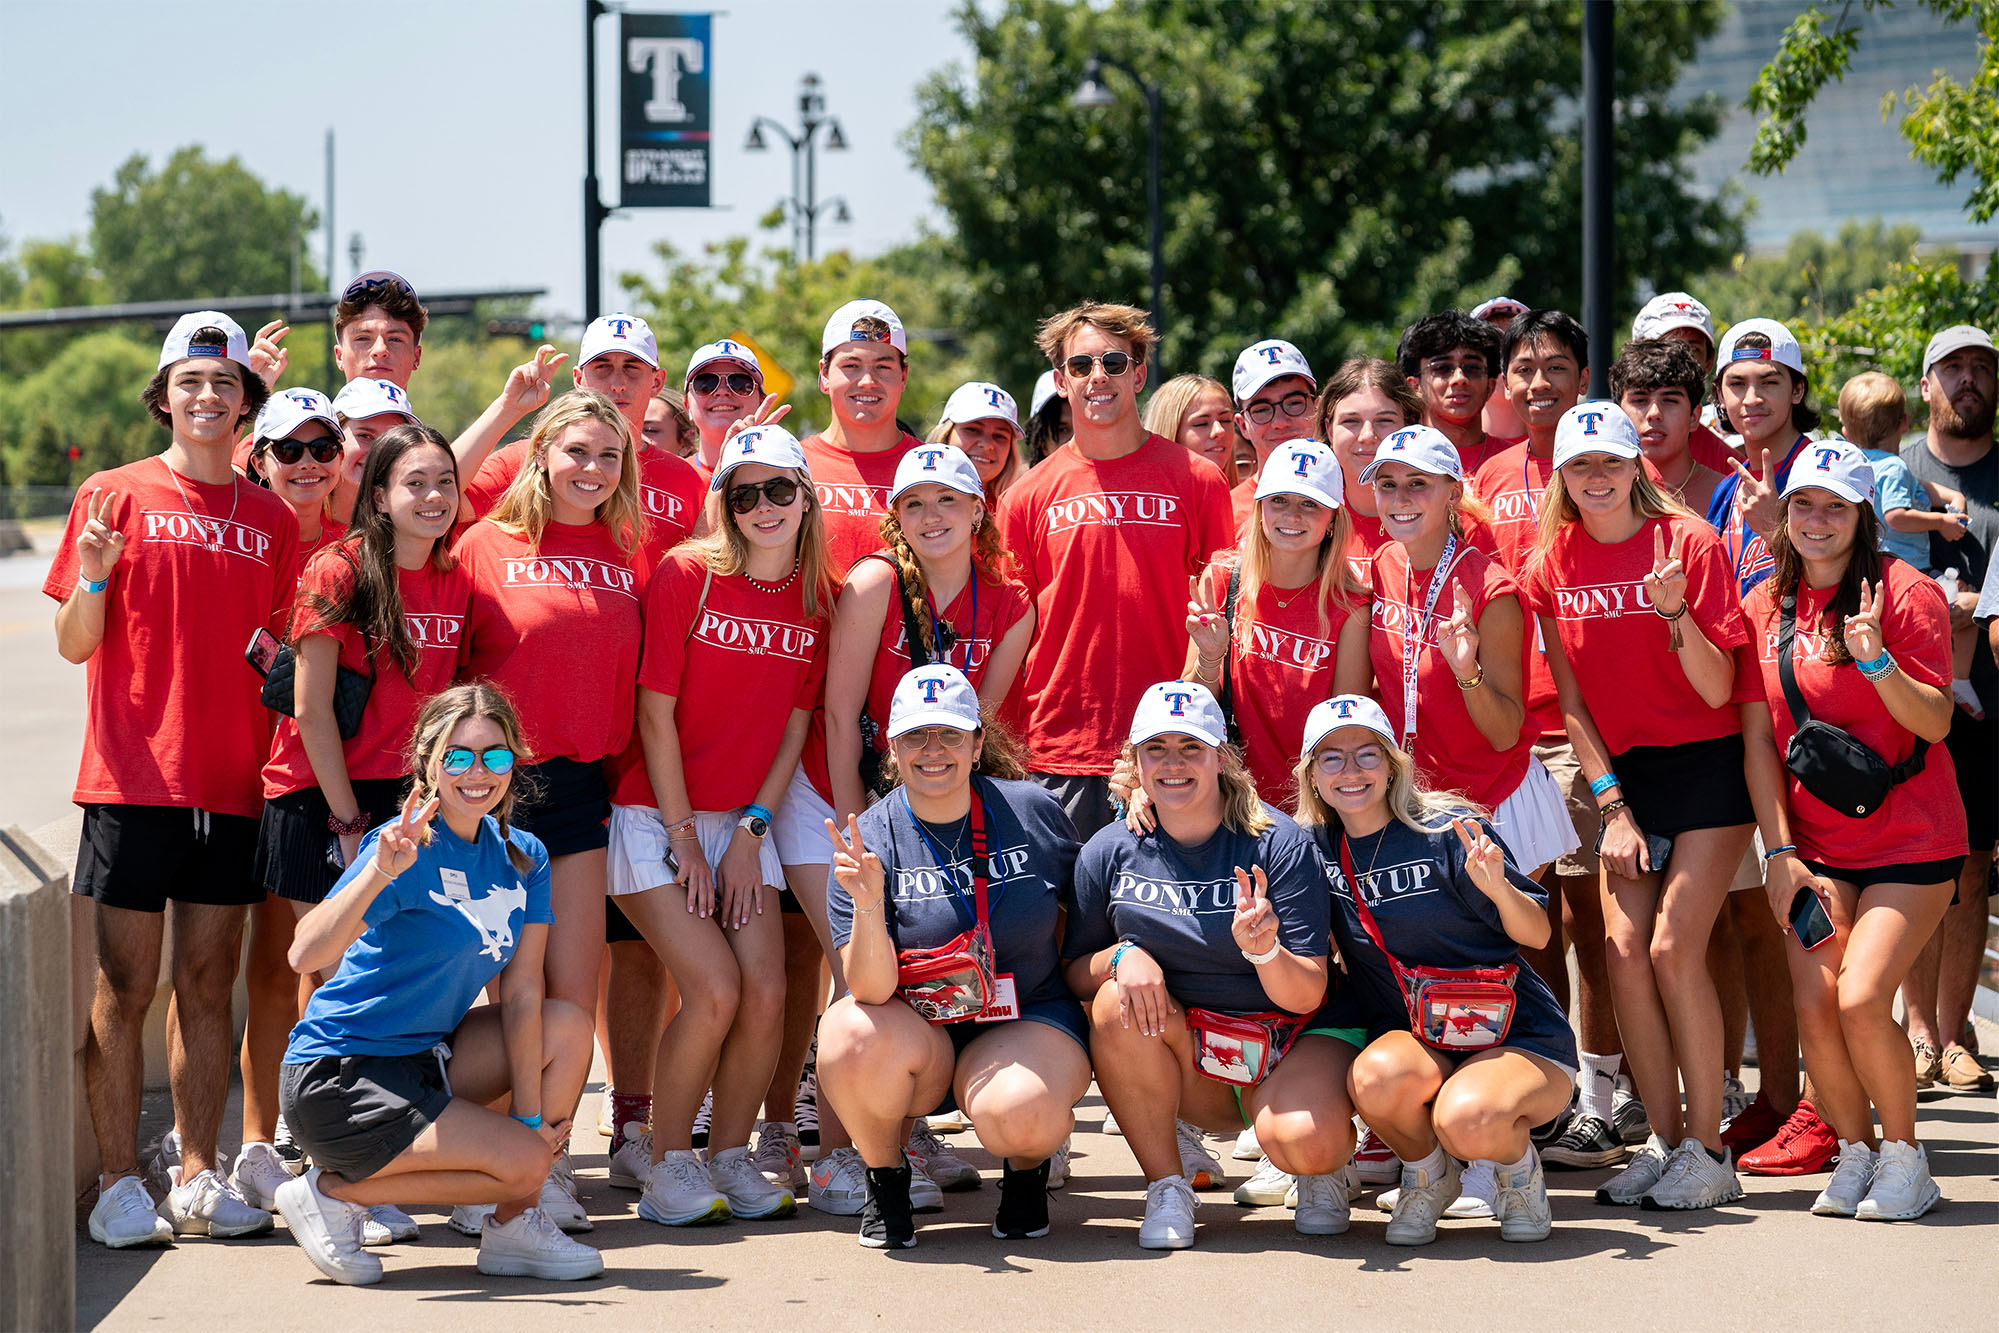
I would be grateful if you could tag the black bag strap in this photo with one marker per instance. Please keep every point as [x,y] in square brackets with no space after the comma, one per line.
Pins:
[1800,714]
[1227,699]
[918,655]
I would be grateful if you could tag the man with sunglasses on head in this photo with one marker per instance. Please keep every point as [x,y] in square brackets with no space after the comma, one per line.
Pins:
[1452,361]
[724,384]
[863,369]
[1275,396]
[1104,534]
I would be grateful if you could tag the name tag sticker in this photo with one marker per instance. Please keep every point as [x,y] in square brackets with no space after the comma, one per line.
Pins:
[1005,1003]
[455,886]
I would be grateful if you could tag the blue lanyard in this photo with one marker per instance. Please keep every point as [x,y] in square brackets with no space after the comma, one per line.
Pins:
[976,906]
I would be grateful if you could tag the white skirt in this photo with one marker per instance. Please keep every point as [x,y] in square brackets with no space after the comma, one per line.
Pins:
[1534,821]
[799,829]
[637,856]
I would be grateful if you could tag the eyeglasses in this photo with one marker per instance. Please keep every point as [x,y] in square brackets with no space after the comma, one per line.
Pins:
[457,761]
[1294,405]
[951,738]
[1441,369]
[1369,757]
[380,280]
[781,491]
[1114,363]
[288,452]
[739,383]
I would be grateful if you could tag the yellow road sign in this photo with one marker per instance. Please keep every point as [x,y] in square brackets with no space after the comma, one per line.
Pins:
[776,381]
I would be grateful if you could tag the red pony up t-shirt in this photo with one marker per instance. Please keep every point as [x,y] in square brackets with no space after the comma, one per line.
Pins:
[853,495]
[1620,648]
[174,717]
[1923,819]
[557,626]
[434,604]
[670,490]
[1105,548]
[1514,485]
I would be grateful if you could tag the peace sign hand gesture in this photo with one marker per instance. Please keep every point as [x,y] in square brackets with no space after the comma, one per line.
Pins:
[529,384]
[98,546]
[1255,923]
[267,358]
[769,412]
[1757,498]
[1206,625]
[396,844]
[1862,631]
[1457,637]
[1666,585]
[1485,862]
[858,869]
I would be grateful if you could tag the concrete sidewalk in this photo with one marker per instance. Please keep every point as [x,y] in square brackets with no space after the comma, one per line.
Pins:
[1765,1263]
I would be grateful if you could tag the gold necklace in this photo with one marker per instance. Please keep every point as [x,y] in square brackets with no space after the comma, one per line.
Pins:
[235,498]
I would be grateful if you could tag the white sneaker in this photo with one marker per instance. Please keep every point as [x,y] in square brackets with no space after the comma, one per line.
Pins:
[1322,1205]
[1201,1168]
[1110,1125]
[386,1224]
[778,1155]
[532,1245]
[209,1205]
[259,1171]
[1693,1179]
[1246,1149]
[1349,1179]
[1520,1200]
[1902,1190]
[679,1192]
[935,1159]
[1476,1190]
[1267,1187]
[1421,1200]
[469,1219]
[839,1183]
[328,1230]
[925,1194]
[1058,1166]
[948,1122]
[1639,1175]
[604,1125]
[1169,1215]
[736,1178]
[631,1164]
[558,1198]
[1850,1182]
[125,1216]
[1735,1098]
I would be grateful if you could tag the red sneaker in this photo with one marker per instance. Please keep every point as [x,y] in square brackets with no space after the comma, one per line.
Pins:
[1376,1162]
[1758,1122]
[1805,1146]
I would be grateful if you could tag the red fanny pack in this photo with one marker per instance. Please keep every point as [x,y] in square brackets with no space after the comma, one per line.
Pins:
[954,981]
[1241,1048]
[1462,1009]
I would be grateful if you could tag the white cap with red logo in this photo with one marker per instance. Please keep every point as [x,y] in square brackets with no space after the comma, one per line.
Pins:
[1303,467]
[363,398]
[772,446]
[1673,310]
[619,332]
[980,401]
[282,416]
[945,464]
[937,695]
[1595,427]
[1783,348]
[1182,707]
[1260,363]
[840,329]
[1345,710]
[723,349]
[1833,464]
[1424,448]
[1498,308]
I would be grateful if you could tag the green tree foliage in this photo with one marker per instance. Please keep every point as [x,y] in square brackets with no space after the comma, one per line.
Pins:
[1887,328]
[1816,278]
[196,228]
[87,395]
[1951,127]
[1329,172]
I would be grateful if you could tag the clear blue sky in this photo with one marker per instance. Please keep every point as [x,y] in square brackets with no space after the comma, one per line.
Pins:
[458,125]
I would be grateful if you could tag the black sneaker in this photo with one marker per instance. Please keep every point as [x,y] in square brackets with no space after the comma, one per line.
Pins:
[1544,1136]
[1023,1205]
[886,1222]
[1588,1142]
[1627,1117]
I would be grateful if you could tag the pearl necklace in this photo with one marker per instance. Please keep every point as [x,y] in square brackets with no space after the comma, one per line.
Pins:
[789,579]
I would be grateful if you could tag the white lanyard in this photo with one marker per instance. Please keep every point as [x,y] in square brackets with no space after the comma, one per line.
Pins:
[1414,635]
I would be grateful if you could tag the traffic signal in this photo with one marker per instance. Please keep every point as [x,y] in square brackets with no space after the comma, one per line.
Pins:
[534,329]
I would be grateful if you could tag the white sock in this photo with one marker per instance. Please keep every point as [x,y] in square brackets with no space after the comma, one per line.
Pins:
[1599,1080]
[1520,1169]
[1433,1165]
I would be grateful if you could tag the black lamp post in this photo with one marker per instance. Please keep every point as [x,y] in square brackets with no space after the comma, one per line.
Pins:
[804,203]
[1092,95]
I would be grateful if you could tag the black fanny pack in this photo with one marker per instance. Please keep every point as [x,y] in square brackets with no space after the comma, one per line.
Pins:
[1833,764]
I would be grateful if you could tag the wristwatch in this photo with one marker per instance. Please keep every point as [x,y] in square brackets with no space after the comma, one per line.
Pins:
[756,824]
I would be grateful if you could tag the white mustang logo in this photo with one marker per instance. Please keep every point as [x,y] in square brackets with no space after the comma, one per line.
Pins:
[490,915]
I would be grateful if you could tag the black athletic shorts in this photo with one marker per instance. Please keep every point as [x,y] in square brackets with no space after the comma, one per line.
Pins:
[565,803]
[1675,789]
[292,839]
[1943,871]
[355,1114]
[141,857]
[1974,750]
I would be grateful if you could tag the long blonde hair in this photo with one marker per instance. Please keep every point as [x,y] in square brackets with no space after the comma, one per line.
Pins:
[1242,808]
[528,506]
[1335,575]
[726,551]
[1558,510]
[439,717]
[988,564]
[1409,801]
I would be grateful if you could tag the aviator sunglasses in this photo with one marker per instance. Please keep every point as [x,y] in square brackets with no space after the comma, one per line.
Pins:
[1114,363]
[499,760]
[740,384]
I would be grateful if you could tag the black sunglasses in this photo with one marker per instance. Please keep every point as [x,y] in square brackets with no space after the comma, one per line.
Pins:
[1114,363]
[288,452]
[380,280]
[781,491]
[738,382]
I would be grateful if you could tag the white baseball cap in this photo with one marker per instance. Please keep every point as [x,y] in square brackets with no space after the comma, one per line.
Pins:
[1672,310]
[177,348]
[1833,464]
[619,332]
[1424,448]
[945,464]
[1044,389]
[980,401]
[1955,339]
[1260,363]
[1783,348]
[1595,427]
[937,695]
[1182,706]
[840,328]
[1499,307]
[723,349]
[1303,467]
[283,414]
[773,446]
[1345,710]
[363,398]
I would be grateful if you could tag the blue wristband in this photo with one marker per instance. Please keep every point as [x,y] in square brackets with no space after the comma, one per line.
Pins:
[1123,947]
[531,1121]
[87,586]
[1880,666]
[761,813]
[1603,784]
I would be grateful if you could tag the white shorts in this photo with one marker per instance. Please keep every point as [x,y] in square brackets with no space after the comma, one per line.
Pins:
[637,859]
[799,831]
[1534,821]
[1749,875]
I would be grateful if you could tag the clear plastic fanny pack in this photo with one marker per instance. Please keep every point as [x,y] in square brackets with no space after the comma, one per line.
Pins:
[1241,1048]
[954,981]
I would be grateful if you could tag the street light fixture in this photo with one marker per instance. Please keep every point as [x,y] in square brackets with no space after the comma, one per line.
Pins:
[1092,95]
[804,203]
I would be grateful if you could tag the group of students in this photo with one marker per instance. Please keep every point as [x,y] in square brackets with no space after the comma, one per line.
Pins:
[628,728]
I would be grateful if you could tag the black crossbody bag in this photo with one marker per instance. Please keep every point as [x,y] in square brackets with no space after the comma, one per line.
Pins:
[1227,697]
[1831,763]
[877,773]
[350,687]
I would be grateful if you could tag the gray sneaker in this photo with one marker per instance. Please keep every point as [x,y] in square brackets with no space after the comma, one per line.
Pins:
[532,1245]
[1520,1202]
[1322,1205]
[125,1216]
[1902,1190]
[1639,1175]
[1693,1179]
[1851,1180]
[1266,1188]
[1420,1200]
[209,1205]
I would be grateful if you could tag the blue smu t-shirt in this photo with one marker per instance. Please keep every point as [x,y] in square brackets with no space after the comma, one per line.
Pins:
[1177,903]
[435,936]
[1030,856]
[1431,914]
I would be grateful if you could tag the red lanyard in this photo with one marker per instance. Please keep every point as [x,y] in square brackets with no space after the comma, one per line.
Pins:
[1412,649]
